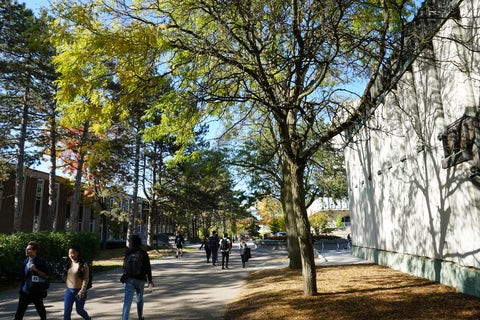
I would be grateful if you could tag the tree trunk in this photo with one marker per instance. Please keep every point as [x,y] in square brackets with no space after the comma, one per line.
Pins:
[150,231]
[152,215]
[303,229]
[52,194]
[20,174]
[134,207]
[295,258]
[75,205]
[104,232]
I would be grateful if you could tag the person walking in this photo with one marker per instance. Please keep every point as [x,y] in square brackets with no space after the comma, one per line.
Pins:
[206,245]
[214,247]
[34,282]
[243,248]
[136,270]
[179,242]
[77,275]
[225,248]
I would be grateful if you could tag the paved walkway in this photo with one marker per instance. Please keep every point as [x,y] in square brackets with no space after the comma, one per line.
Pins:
[187,288]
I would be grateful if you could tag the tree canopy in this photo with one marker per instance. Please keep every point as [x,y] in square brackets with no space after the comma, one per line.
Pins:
[287,64]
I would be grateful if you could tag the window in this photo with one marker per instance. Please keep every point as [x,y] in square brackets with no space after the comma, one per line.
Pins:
[37,209]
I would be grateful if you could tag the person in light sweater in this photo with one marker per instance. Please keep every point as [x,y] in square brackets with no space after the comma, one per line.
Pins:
[76,278]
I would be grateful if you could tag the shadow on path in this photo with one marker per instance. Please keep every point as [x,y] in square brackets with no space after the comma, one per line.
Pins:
[186,288]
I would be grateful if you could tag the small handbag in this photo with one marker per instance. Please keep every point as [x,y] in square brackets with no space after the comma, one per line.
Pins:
[247,254]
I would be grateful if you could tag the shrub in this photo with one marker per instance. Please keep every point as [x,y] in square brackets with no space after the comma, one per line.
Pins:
[53,248]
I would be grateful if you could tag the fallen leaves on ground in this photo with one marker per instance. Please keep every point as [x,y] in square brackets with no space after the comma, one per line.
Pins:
[353,292]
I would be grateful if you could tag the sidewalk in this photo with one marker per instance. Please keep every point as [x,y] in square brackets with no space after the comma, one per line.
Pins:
[187,288]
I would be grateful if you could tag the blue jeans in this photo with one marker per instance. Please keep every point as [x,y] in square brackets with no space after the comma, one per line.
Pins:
[214,255]
[133,285]
[69,299]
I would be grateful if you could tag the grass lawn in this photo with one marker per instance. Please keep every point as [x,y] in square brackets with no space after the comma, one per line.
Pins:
[355,292]
[113,258]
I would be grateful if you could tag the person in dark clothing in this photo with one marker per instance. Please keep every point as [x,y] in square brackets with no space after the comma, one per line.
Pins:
[225,248]
[214,247]
[206,245]
[34,269]
[349,241]
[242,248]
[134,279]
[179,242]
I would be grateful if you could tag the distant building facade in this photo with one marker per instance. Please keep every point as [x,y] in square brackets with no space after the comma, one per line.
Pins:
[413,167]
[35,202]
[36,216]
[327,203]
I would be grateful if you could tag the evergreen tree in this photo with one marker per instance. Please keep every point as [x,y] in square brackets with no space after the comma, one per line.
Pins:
[26,77]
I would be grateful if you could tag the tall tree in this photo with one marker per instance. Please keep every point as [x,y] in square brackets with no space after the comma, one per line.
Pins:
[202,185]
[47,140]
[25,74]
[286,60]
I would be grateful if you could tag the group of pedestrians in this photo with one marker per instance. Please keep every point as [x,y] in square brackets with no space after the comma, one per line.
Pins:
[77,275]
[213,244]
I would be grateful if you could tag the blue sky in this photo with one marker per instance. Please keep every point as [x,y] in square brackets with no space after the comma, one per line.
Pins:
[35,5]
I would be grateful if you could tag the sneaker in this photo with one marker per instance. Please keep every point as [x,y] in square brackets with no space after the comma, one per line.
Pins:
[176,256]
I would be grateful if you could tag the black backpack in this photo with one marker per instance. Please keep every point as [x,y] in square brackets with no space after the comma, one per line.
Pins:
[90,276]
[224,246]
[133,265]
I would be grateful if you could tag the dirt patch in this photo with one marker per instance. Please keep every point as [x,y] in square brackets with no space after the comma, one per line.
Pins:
[353,292]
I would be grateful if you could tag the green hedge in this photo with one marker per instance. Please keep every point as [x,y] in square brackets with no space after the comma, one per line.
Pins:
[53,248]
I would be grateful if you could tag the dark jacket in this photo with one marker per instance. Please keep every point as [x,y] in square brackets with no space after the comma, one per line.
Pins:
[206,244]
[214,242]
[179,240]
[40,264]
[147,268]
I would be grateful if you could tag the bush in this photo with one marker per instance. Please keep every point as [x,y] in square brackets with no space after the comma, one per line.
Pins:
[53,248]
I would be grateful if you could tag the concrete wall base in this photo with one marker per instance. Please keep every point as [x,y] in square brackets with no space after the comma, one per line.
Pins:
[464,279]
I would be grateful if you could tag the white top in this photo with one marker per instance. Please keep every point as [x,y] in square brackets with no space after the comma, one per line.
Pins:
[229,245]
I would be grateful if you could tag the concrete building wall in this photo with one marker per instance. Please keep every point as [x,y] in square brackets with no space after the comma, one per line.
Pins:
[407,211]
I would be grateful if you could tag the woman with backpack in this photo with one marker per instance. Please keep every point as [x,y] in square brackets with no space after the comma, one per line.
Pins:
[77,279]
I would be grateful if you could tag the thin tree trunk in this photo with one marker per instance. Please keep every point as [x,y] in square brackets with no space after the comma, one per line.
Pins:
[52,194]
[75,206]
[150,231]
[104,231]
[134,207]
[20,174]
